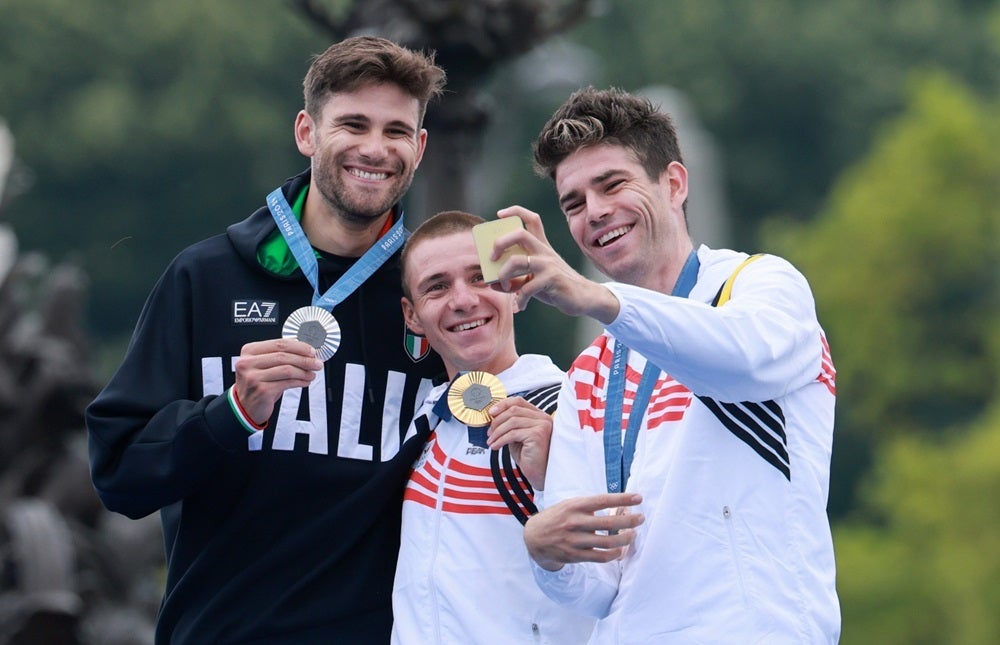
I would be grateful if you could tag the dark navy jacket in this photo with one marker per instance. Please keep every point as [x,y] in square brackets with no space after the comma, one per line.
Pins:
[289,535]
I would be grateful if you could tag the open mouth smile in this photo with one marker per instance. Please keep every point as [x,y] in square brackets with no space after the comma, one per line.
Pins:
[611,236]
[469,325]
[368,176]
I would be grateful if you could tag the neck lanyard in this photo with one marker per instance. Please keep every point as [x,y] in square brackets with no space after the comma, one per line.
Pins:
[360,271]
[618,457]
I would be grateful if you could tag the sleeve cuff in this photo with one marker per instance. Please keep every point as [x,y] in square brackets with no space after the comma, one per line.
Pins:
[241,414]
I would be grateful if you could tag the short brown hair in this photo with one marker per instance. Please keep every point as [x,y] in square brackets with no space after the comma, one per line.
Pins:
[590,117]
[363,60]
[439,225]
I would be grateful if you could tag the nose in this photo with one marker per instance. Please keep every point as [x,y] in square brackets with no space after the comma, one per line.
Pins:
[598,206]
[373,145]
[464,297]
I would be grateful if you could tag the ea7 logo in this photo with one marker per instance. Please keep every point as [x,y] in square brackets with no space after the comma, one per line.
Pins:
[255,312]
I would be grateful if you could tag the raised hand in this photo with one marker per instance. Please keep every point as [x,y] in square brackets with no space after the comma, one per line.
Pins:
[267,368]
[527,430]
[549,278]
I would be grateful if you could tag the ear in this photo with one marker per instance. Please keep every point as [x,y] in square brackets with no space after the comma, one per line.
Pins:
[421,144]
[304,128]
[410,316]
[675,179]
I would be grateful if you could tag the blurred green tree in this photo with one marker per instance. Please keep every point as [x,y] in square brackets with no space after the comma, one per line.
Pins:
[920,565]
[142,127]
[793,90]
[903,262]
[148,126]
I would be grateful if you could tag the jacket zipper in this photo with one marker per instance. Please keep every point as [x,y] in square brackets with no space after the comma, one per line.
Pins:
[436,542]
[364,343]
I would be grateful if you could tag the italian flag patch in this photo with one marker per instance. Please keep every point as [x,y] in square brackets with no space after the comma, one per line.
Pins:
[416,346]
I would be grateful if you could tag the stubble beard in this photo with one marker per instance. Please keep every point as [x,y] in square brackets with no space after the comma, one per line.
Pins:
[357,206]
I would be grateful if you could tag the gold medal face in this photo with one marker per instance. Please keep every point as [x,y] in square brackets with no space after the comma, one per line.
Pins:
[471,396]
[315,326]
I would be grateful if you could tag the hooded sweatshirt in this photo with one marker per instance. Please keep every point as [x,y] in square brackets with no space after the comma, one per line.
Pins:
[289,534]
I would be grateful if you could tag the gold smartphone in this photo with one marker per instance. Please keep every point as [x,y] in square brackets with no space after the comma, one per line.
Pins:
[485,235]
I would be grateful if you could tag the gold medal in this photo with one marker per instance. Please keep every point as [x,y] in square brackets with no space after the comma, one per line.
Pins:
[315,326]
[471,396]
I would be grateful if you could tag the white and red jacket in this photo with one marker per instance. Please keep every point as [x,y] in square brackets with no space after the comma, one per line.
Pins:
[732,461]
[463,574]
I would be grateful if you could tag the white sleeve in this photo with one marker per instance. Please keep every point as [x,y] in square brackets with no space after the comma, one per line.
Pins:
[576,468]
[762,344]
[586,587]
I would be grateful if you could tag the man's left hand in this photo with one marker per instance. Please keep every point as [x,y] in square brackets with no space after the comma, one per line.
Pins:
[527,430]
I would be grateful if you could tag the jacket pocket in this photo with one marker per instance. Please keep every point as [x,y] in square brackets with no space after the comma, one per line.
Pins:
[734,552]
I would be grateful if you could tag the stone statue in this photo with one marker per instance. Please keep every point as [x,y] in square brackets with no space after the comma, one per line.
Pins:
[70,571]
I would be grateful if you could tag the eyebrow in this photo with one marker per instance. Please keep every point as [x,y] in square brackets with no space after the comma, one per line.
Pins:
[434,277]
[594,181]
[354,116]
[358,116]
[428,280]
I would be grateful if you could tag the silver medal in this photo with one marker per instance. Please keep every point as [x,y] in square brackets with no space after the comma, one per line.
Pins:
[315,326]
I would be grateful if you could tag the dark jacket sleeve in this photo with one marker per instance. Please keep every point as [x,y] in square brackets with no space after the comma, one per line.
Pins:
[154,439]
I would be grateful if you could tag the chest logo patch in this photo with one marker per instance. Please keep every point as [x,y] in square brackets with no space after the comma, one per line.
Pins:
[255,312]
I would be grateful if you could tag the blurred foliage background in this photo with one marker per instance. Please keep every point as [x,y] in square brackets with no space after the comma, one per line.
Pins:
[859,138]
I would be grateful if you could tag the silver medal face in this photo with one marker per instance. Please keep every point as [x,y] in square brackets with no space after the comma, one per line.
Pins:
[477,396]
[315,326]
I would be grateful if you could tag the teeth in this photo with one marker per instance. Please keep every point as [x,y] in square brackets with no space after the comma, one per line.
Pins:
[610,235]
[368,175]
[470,325]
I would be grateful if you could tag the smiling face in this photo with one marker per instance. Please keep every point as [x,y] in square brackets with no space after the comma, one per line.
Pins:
[467,322]
[630,226]
[365,148]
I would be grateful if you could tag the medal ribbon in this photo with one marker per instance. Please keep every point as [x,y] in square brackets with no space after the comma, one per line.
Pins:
[360,271]
[441,408]
[618,457]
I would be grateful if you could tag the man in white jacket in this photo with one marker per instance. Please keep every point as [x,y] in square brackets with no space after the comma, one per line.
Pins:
[463,574]
[688,470]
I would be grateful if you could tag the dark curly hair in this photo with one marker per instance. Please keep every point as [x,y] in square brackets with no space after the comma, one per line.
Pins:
[591,117]
[354,62]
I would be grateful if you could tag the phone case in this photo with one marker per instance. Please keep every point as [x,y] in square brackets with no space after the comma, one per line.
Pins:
[485,235]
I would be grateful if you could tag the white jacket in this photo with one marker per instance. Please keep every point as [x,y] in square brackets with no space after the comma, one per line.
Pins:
[463,574]
[736,544]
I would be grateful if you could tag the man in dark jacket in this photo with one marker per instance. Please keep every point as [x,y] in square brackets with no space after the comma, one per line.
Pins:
[268,431]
